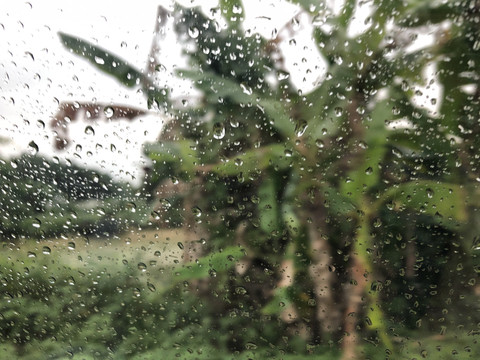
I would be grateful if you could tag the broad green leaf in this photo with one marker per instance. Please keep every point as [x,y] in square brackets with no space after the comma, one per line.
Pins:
[336,202]
[445,202]
[210,265]
[253,161]
[181,153]
[103,60]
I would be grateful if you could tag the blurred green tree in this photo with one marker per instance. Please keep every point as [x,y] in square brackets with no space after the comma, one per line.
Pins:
[335,214]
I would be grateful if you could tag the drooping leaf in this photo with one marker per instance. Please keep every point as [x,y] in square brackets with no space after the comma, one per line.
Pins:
[102,59]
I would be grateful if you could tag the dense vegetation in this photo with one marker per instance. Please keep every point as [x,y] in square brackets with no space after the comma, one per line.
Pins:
[342,222]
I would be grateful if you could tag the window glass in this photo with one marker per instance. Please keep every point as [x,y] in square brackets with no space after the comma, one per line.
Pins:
[240,179]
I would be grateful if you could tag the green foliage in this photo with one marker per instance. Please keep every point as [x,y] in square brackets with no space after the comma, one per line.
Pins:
[355,170]
[42,198]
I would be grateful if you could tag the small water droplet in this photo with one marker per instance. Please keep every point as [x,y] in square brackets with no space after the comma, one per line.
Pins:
[151,287]
[108,111]
[41,124]
[320,144]
[31,254]
[36,223]
[89,130]
[377,222]
[369,170]
[338,111]
[180,245]
[142,266]
[71,245]
[131,206]
[46,250]
[430,193]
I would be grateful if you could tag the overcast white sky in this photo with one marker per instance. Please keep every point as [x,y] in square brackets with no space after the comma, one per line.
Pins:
[36,71]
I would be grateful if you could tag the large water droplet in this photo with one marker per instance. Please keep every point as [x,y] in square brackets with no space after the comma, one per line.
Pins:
[89,130]
[36,223]
[218,131]
[32,148]
[430,193]
[320,144]
[197,212]
[193,32]
[300,127]
[108,111]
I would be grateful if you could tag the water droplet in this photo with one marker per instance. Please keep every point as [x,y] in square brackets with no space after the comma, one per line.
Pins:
[46,250]
[32,148]
[157,253]
[212,273]
[338,111]
[320,144]
[300,127]
[108,111]
[142,266]
[180,245]
[288,153]
[240,290]
[71,281]
[430,193]
[71,245]
[218,131]
[89,130]
[99,60]
[52,280]
[131,206]
[476,45]
[369,170]
[377,222]
[36,223]
[246,89]
[41,124]
[193,32]
[197,212]
[31,254]
[151,287]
